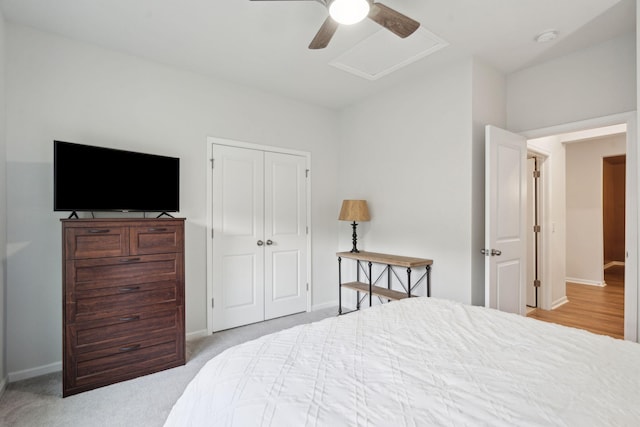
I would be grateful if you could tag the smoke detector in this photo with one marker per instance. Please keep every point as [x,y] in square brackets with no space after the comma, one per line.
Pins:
[546,36]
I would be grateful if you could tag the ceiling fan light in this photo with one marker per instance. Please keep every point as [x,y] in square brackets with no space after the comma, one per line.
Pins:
[349,12]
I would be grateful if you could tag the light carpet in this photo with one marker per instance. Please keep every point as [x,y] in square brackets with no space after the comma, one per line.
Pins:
[144,401]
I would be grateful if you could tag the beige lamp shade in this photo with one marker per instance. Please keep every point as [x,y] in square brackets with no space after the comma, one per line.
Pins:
[354,210]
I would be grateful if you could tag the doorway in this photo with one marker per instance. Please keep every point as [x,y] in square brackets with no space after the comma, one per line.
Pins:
[588,177]
[558,218]
[595,178]
[613,208]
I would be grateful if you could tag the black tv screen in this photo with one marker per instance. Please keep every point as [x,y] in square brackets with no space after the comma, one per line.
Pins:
[88,178]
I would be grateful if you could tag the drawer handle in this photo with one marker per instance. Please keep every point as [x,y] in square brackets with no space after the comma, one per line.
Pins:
[129,348]
[130,260]
[130,289]
[157,229]
[102,231]
[129,319]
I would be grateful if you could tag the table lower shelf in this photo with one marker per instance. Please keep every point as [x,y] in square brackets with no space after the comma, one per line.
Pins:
[376,290]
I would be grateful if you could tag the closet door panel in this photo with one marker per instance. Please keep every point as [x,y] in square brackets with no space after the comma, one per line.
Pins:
[238,244]
[285,234]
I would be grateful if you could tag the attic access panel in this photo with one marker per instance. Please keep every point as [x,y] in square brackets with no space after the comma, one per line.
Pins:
[383,53]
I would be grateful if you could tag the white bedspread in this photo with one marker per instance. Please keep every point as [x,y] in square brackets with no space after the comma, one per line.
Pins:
[417,362]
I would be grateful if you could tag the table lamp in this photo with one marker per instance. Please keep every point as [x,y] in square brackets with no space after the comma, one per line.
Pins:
[354,210]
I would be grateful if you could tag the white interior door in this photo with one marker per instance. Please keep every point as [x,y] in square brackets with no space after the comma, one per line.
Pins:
[238,225]
[505,220]
[285,234]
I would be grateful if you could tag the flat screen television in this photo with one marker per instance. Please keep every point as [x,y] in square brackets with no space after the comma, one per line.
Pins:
[89,178]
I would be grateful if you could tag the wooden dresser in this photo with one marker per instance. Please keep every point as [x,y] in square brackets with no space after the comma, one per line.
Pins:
[123,300]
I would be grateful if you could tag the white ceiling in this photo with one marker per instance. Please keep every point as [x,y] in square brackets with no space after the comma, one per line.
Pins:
[263,44]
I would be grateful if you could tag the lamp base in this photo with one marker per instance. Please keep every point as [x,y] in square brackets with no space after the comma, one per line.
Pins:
[355,238]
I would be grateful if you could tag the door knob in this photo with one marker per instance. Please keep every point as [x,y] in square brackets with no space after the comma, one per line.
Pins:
[492,252]
[269,242]
[260,243]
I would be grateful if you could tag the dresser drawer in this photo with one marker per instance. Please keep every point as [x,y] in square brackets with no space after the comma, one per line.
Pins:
[96,242]
[96,303]
[122,356]
[150,356]
[111,329]
[156,239]
[88,274]
[125,346]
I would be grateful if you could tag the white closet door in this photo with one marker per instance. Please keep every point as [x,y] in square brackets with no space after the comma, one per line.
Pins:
[238,226]
[285,234]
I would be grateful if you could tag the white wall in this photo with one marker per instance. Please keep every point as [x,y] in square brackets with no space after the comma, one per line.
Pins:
[3,208]
[489,108]
[408,152]
[62,89]
[584,206]
[594,82]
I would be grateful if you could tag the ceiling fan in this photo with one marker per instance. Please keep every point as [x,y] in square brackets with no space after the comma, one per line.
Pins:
[353,11]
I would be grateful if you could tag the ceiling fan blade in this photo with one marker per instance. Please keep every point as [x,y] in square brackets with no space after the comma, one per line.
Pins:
[392,20]
[324,34]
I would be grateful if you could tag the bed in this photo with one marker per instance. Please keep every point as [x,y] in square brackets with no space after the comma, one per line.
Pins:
[419,361]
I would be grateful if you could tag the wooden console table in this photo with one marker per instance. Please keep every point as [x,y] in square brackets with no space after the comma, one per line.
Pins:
[370,287]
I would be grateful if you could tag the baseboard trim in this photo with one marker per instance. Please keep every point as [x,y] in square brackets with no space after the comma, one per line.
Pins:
[196,334]
[35,372]
[585,282]
[614,264]
[559,302]
[322,306]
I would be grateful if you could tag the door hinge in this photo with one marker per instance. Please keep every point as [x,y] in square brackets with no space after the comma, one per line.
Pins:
[212,162]
[212,233]
[307,287]
[536,174]
[536,228]
[307,229]
[536,283]
[306,173]
[212,303]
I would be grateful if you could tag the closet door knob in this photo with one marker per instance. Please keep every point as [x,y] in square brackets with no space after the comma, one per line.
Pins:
[269,242]
[260,243]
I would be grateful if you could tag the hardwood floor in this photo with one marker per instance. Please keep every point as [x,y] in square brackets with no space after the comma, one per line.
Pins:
[596,309]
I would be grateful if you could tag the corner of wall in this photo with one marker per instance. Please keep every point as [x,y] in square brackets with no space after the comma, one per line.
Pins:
[637,334]
[488,105]
[3,212]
